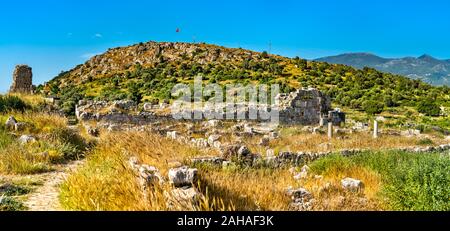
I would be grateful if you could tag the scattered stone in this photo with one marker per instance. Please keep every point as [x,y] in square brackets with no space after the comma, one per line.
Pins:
[134,162]
[212,139]
[11,123]
[244,151]
[305,168]
[226,164]
[274,135]
[185,198]
[217,145]
[302,199]
[411,132]
[351,184]
[298,194]
[200,143]
[113,128]
[214,123]
[172,135]
[25,139]
[148,106]
[208,160]
[318,130]
[248,129]
[150,176]
[183,176]
[20,127]
[95,132]
[265,141]
[270,153]
[301,175]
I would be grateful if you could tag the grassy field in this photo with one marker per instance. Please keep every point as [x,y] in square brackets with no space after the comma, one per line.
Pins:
[393,180]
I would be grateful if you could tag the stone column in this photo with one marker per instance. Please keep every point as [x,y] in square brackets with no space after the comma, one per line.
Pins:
[330,130]
[375,129]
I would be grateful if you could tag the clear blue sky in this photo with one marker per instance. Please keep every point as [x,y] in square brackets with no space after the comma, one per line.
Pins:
[55,35]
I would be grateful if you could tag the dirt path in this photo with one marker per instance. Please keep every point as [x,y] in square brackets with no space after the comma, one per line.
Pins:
[45,198]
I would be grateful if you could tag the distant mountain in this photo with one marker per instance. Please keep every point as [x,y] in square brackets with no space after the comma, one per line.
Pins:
[425,67]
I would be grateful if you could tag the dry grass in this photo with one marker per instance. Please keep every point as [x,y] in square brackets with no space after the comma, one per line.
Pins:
[37,122]
[54,144]
[107,182]
[30,99]
[332,197]
[251,189]
[306,142]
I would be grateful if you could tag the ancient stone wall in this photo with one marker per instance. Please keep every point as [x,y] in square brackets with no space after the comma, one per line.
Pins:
[22,80]
[304,106]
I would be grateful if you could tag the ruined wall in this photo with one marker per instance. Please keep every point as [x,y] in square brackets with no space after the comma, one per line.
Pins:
[22,80]
[304,106]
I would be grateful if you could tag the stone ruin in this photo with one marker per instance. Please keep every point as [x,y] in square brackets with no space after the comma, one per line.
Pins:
[306,106]
[22,80]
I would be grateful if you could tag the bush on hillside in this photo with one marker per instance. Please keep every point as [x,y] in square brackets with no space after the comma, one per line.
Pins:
[12,103]
[429,108]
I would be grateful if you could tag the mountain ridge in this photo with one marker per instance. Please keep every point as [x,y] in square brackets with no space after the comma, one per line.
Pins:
[424,67]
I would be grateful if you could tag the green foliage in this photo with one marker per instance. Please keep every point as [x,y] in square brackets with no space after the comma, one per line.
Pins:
[10,204]
[13,190]
[425,141]
[429,107]
[372,107]
[69,99]
[5,138]
[412,181]
[71,144]
[10,103]
[135,93]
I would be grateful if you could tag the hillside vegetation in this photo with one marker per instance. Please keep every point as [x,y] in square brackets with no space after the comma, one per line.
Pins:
[148,71]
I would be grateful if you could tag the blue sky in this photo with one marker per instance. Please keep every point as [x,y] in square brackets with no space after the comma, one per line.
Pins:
[55,35]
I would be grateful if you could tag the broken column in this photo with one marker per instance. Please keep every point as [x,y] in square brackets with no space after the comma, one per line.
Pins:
[330,130]
[375,129]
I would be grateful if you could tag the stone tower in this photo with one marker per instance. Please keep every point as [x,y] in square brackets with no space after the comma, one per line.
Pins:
[22,80]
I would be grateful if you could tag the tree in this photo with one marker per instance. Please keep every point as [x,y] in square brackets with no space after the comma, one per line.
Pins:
[429,108]
[372,107]
[264,54]
[135,93]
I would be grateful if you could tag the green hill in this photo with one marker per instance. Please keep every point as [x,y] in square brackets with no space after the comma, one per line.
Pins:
[148,71]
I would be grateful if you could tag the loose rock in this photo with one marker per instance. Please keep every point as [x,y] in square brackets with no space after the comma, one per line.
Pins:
[183,176]
[351,184]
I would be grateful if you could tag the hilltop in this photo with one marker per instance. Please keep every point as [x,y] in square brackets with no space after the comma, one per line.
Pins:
[148,71]
[425,67]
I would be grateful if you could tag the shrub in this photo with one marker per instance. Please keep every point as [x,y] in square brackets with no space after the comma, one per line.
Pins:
[70,143]
[429,108]
[12,103]
[373,107]
[10,204]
